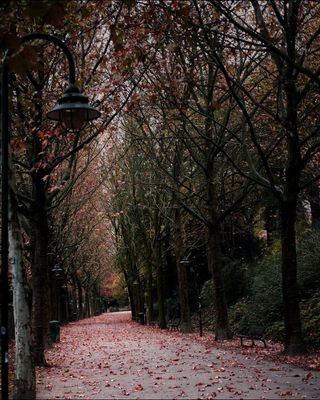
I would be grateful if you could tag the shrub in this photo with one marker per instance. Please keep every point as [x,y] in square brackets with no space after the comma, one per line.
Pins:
[240,315]
[309,261]
[310,315]
[260,287]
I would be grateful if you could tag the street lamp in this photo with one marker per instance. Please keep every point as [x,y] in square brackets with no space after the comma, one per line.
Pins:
[72,110]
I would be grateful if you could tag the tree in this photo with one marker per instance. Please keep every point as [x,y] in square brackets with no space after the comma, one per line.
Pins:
[25,372]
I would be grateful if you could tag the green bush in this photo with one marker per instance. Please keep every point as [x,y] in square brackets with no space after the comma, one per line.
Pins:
[309,262]
[266,290]
[240,315]
[275,331]
[235,280]
[206,294]
[310,315]
[260,287]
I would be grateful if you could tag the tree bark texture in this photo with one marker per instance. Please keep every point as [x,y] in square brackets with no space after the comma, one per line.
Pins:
[215,265]
[293,333]
[149,299]
[182,275]
[40,286]
[160,288]
[25,379]
[215,261]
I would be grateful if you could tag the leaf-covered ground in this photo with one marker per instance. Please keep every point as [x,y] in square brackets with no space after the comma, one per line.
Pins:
[112,357]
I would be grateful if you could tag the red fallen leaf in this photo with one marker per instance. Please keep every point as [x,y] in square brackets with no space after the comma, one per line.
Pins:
[307,377]
[138,387]
[274,369]
[284,394]
[172,377]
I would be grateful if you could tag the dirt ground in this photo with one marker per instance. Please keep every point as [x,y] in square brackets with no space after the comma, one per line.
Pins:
[112,357]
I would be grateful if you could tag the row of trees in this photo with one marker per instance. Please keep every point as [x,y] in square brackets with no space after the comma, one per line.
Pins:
[211,138]
[58,247]
[223,128]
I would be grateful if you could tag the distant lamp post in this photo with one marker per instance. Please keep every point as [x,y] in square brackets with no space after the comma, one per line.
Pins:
[73,111]
[57,269]
[184,260]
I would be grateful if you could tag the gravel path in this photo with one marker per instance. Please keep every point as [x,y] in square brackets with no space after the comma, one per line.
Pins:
[112,357]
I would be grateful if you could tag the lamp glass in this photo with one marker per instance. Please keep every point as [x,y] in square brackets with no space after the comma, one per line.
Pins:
[73,110]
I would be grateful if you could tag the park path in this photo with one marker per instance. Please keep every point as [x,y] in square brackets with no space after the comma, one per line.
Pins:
[112,357]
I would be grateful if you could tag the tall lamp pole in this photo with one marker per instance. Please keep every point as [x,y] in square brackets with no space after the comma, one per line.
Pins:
[74,111]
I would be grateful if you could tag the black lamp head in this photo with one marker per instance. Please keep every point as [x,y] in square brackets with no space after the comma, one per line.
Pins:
[73,109]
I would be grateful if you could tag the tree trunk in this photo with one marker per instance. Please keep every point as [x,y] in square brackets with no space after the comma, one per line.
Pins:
[293,334]
[182,275]
[185,322]
[87,303]
[39,300]
[292,322]
[160,288]
[132,302]
[149,299]
[25,379]
[65,306]
[215,265]
[73,299]
[40,320]
[80,300]
[215,261]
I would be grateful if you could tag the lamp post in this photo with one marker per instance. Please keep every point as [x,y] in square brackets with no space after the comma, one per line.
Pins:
[73,110]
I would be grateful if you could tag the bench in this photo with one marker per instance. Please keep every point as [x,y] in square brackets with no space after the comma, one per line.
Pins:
[174,325]
[254,332]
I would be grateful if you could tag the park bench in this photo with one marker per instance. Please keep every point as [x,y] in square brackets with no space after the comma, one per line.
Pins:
[254,332]
[174,325]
